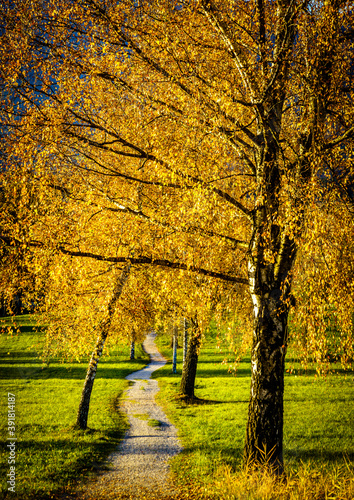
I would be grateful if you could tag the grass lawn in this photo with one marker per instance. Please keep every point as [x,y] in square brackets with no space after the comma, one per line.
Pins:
[50,455]
[318,428]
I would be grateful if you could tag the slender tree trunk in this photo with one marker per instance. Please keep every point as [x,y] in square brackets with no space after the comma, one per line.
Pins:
[132,350]
[190,366]
[82,415]
[175,344]
[185,339]
[132,346]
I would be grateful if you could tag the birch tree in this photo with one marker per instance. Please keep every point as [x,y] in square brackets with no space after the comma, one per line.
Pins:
[103,331]
[206,125]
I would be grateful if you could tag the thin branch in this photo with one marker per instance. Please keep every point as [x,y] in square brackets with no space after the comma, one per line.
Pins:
[143,155]
[237,55]
[347,135]
[236,243]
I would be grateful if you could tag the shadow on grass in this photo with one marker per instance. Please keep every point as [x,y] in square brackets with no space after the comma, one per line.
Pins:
[94,445]
[216,372]
[22,356]
[71,470]
[184,402]
[23,329]
[37,370]
[318,455]
[220,371]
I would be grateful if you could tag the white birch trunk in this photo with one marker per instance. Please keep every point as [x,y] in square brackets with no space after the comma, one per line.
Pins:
[82,415]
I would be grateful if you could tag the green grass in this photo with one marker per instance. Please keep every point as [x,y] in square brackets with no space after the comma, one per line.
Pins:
[318,427]
[50,454]
[51,457]
[154,423]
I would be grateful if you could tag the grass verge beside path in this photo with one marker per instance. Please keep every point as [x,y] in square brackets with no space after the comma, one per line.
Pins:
[50,455]
[318,431]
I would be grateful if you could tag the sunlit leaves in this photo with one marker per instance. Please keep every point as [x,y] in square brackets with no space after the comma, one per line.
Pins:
[195,135]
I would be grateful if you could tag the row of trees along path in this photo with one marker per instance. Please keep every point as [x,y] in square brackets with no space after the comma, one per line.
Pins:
[198,142]
[139,468]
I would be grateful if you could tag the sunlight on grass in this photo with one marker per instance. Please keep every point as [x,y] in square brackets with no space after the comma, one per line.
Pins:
[50,454]
[308,483]
[318,431]
[318,428]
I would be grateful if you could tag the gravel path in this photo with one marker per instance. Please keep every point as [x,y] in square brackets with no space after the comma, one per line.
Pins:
[139,468]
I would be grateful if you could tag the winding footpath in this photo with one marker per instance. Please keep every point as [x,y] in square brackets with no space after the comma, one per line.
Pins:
[139,468]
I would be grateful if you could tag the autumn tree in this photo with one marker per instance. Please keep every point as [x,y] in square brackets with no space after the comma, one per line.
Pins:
[102,334]
[190,364]
[19,209]
[203,125]
[323,281]
[88,305]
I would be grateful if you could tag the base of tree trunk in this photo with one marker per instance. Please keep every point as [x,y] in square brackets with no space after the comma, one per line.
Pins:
[184,398]
[190,365]
[76,427]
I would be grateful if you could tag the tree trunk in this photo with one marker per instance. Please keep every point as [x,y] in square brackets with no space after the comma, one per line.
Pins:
[82,415]
[132,350]
[264,442]
[132,346]
[185,339]
[270,290]
[190,366]
[175,344]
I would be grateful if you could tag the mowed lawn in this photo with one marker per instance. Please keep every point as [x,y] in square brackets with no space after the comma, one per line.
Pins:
[50,455]
[318,415]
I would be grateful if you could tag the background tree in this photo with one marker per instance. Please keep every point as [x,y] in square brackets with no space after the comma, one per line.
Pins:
[324,283]
[190,364]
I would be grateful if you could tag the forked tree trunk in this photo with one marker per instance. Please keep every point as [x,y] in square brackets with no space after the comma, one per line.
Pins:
[82,415]
[189,371]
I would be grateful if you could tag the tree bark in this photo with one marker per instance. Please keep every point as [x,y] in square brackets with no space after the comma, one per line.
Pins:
[175,345]
[185,339]
[132,346]
[189,371]
[82,415]
[132,350]
[270,290]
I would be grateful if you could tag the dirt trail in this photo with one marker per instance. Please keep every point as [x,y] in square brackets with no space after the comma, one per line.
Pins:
[139,467]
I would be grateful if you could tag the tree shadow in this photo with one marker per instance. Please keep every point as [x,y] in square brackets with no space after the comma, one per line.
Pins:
[319,455]
[91,462]
[38,370]
[185,401]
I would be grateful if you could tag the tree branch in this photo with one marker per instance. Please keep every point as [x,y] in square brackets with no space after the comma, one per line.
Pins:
[347,135]
[156,262]
[212,15]
[134,261]
[236,243]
